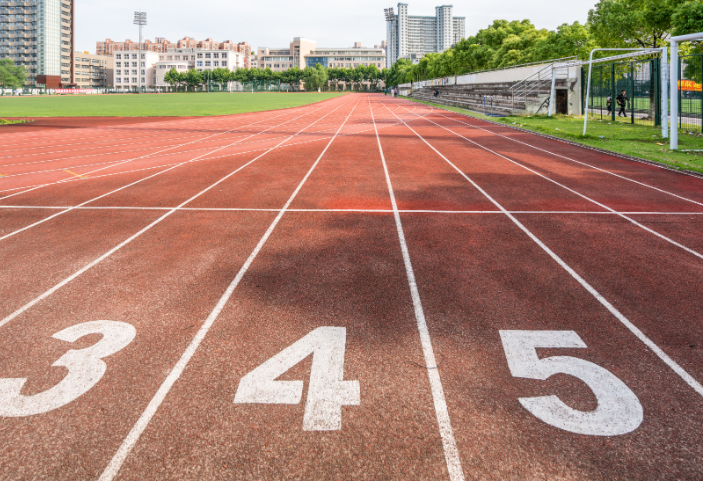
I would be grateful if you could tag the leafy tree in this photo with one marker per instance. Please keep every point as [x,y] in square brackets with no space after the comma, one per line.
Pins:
[567,41]
[11,76]
[631,23]
[688,18]
[172,77]
[315,77]
[193,78]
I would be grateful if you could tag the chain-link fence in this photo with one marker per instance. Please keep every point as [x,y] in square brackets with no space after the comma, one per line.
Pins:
[689,92]
[625,91]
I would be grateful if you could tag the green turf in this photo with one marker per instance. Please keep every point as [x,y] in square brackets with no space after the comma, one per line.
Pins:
[636,140]
[154,105]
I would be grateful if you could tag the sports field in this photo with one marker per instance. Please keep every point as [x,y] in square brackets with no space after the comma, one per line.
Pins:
[154,105]
[479,302]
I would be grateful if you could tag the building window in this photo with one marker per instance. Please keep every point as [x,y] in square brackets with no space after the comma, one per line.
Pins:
[215,55]
[215,63]
[224,55]
[119,64]
[207,55]
[200,55]
[119,72]
[134,80]
[118,80]
[134,56]
[224,63]
[143,80]
[200,63]
[118,56]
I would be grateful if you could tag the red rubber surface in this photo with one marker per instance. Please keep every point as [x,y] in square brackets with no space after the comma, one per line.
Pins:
[288,215]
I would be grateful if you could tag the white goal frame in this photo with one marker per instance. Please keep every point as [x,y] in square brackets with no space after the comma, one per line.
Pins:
[674,138]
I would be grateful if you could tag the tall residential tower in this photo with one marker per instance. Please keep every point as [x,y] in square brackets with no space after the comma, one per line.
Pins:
[412,37]
[39,34]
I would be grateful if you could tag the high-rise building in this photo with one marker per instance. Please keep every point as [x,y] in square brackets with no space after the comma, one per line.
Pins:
[39,34]
[93,71]
[412,37]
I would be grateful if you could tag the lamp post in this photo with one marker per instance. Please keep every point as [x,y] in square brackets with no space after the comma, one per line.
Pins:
[140,19]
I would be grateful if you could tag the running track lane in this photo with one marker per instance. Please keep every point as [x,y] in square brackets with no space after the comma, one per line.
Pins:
[476,274]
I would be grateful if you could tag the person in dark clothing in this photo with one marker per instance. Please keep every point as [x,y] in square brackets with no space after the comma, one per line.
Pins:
[436,93]
[622,101]
[609,103]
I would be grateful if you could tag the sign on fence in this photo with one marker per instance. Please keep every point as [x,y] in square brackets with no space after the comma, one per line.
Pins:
[690,86]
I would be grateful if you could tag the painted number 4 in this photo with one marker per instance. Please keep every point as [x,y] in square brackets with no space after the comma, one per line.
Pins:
[618,412]
[327,392]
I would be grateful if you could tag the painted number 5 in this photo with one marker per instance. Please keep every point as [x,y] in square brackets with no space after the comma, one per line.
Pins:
[618,412]
[85,368]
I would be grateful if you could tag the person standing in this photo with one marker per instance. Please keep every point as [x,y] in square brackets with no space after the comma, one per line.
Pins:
[622,101]
[609,103]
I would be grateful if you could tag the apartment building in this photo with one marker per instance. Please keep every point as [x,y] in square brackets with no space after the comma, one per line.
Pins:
[129,68]
[39,34]
[184,59]
[412,37]
[303,52]
[162,45]
[93,71]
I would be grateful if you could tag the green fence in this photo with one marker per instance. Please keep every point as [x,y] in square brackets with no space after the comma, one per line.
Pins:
[689,92]
[640,80]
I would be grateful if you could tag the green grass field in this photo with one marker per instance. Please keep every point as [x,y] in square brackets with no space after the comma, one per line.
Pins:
[636,140]
[154,105]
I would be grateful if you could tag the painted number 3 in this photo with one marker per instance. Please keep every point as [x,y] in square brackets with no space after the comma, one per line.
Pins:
[618,412]
[85,368]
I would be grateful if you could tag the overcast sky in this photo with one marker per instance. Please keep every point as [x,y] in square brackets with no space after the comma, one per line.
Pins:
[273,23]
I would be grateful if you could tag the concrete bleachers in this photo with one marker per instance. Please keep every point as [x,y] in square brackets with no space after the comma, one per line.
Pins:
[471,97]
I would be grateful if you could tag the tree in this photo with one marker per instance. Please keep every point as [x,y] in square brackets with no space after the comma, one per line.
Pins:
[11,76]
[688,18]
[631,23]
[315,77]
[193,78]
[567,41]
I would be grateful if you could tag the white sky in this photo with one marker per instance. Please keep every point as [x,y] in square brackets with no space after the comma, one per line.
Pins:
[273,23]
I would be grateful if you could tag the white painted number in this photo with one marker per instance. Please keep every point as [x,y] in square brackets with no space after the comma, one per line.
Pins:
[618,412]
[327,392]
[85,368]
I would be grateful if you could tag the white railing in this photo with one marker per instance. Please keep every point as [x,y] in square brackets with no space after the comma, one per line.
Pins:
[534,83]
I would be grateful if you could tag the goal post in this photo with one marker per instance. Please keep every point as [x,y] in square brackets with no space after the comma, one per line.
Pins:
[674,77]
[635,53]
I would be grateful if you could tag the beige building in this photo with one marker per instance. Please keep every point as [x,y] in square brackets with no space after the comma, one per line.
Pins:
[184,59]
[93,71]
[280,59]
[162,45]
[304,53]
[129,68]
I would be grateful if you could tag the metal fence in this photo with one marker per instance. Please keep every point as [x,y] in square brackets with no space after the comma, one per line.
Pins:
[689,92]
[625,91]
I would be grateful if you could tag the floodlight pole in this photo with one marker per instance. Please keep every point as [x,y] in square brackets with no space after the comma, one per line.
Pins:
[140,19]
[674,78]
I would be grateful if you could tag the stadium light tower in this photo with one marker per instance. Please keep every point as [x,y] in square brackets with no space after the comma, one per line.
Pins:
[390,13]
[140,19]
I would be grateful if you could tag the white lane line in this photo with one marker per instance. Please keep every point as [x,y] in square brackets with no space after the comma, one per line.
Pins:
[575,161]
[402,211]
[451,453]
[138,181]
[145,229]
[687,378]
[613,211]
[133,436]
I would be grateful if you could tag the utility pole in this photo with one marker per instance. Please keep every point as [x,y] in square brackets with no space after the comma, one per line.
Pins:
[140,19]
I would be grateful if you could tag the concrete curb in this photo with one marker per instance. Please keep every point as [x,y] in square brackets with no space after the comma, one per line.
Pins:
[587,147]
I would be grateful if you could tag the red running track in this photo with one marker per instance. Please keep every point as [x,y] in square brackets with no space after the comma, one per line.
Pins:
[479,303]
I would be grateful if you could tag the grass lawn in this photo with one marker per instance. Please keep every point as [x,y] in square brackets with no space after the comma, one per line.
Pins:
[635,140]
[154,105]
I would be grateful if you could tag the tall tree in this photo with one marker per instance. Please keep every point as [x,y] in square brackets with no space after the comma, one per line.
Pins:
[11,76]
[631,23]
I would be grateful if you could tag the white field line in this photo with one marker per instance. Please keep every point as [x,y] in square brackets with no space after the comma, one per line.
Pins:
[451,453]
[93,177]
[687,378]
[39,222]
[575,161]
[130,160]
[585,197]
[133,436]
[371,211]
[134,236]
